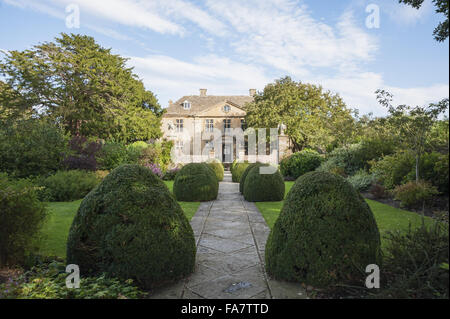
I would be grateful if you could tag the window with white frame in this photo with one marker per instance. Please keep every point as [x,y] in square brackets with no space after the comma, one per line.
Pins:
[226,125]
[243,125]
[179,145]
[226,108]
[209,125]
[179,125]
[186,105]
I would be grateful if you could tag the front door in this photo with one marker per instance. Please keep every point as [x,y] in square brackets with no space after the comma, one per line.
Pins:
[226,153]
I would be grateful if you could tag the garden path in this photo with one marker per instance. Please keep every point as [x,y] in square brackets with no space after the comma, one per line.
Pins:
[230,234]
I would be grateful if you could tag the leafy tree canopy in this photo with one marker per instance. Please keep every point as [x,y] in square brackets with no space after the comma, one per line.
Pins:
[441,31]
[312,117]
[413,124]
[81,85]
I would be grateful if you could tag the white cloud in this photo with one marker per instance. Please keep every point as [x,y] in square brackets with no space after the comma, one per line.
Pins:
[178,9]
[284,35]
[419,95]
[37,6]
[161,16]
[358,91]
[405,14]
[108,32]
[258,41]
[59,13]
[175,78]
[131,13]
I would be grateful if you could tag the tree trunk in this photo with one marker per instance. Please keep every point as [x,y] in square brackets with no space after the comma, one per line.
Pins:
[417,168]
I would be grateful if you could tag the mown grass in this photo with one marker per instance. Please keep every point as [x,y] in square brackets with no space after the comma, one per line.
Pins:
[388,218]
[60,217]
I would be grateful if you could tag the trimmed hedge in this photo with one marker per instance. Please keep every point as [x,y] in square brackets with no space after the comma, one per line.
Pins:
[217,167]
[325,234]
[300,163]
[195,182]
[244,175]
[263,187]
[67,185]
[238,170]
[131,227]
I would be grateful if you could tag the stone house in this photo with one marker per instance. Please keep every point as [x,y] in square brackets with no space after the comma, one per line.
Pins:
[195,122]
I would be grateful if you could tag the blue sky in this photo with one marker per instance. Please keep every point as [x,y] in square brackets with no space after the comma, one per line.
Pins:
[228,47]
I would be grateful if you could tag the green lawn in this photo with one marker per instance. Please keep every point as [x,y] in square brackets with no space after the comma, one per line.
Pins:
[56,228]
[387,217]
[61,214]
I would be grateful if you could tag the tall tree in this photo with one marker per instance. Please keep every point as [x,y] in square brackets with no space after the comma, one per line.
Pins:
[441,31]
[312,117]
[9,99]
[413,124]
[83,86]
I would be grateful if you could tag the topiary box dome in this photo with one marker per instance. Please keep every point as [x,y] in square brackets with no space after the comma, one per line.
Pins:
[260,187]
[325,234]
[131,227]
[244,175]
[238,169]
[217,167]
[196,182]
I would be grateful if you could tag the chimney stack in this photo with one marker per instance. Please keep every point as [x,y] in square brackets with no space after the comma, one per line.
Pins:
[203,92]
[252,92]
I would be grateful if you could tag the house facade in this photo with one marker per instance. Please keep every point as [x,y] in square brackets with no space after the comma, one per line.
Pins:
[209,126]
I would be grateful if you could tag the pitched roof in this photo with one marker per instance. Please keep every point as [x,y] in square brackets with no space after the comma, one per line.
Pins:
[202,103]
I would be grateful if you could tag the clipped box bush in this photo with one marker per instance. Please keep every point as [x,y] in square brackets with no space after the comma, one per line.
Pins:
[131,227]
[300,163]
[217,167]
[68,185]
[325,234]
[263,187]
[233,165]
[238,170]
[195,182]
[21,217]
[244,175]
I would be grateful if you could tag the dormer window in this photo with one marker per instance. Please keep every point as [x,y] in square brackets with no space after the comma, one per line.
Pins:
[226,108]
[186,105]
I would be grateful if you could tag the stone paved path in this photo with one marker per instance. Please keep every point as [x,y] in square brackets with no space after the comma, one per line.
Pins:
[230,234]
